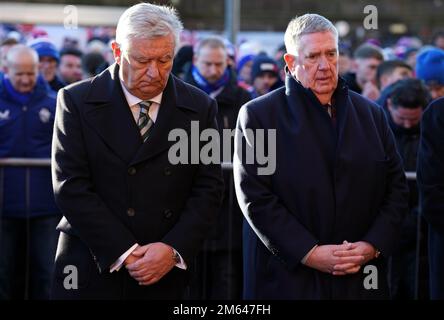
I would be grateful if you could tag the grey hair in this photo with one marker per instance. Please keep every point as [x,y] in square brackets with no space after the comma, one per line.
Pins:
[19,50]
[306,24]
[148,21]
[210,41]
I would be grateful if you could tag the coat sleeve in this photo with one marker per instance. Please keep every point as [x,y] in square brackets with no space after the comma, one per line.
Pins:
[89,217]
[430,166]
[385,230]
[203,203]
[276,227]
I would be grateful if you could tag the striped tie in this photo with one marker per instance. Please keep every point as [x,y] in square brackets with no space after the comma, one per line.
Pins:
[331,110]
[145,122]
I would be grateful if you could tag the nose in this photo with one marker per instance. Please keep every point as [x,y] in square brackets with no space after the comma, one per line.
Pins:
[152,71]
[269,81]
[213,69]
[25,80]
[323,63]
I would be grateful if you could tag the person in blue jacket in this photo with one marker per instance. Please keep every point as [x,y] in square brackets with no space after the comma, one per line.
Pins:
[29,216]
[322,224]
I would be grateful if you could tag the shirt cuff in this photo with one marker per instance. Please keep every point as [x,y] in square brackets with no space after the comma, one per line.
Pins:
[119,262]
[305,258]
[181,265]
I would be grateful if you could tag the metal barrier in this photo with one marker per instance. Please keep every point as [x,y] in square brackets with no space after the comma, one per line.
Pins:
[226,166]
[28,164]
[23,162]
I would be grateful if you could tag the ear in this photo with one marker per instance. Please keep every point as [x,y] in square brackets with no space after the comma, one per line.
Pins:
[290,61]
[117,52]
[390,104]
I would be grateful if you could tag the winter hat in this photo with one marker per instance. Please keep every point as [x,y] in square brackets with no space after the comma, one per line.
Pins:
[45,48]
[247,51]
[430,66]
[263,63]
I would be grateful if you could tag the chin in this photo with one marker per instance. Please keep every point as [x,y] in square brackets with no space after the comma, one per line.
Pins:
[150,93]
[325,90]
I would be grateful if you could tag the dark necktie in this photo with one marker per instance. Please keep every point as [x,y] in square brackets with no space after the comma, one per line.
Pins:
[331,112]
[144,122]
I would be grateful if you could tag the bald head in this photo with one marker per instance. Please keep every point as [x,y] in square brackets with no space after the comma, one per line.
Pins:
[22,68]
[20,54]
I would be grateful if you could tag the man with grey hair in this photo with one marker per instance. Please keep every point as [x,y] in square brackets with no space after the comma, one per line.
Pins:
[331,212]
[133,222]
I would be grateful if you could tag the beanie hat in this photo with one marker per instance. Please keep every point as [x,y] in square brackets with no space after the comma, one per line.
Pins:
[243,61]
[45,48]
[430,66]
[247,51]
[263,63]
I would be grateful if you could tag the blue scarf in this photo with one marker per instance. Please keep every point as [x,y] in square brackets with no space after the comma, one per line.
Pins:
[205,85]
[23,98]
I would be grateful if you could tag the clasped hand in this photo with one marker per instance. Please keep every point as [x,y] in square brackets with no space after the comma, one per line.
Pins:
[342,259]
[148,264]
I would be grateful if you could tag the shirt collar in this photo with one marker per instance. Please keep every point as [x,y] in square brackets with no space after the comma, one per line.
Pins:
[133,100]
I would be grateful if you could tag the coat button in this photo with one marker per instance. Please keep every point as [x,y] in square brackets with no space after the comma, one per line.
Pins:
[132,171]
[168,213]
[131,212]
[167,171]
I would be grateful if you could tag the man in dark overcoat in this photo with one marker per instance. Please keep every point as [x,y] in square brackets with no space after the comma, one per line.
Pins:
[322,224]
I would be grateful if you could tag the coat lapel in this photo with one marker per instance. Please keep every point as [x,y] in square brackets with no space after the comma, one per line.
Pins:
[109,115]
